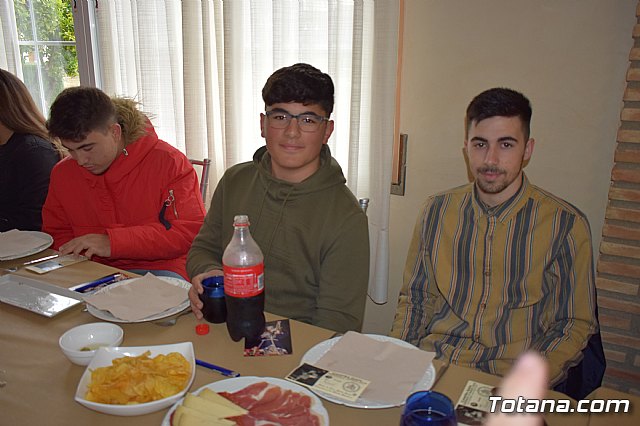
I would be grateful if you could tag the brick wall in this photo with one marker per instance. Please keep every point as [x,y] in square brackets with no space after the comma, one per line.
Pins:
[618,266]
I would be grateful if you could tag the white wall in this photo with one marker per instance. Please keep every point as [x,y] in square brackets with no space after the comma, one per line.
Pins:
[569,57]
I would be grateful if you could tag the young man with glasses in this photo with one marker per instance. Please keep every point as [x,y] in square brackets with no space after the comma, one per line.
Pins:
[309,226]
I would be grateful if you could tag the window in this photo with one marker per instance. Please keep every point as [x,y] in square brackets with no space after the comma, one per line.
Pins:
[47,46]
[197,68]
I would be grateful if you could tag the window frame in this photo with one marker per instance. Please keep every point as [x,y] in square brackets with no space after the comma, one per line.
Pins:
[84,24]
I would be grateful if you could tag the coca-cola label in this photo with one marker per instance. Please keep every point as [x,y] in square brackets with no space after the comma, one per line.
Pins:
[246,281]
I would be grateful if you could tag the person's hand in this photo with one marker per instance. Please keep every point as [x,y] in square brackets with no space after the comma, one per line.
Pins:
[90,244]
[528,378]
[196,290]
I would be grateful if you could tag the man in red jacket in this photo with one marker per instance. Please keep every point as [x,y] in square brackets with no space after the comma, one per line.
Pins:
[124,197]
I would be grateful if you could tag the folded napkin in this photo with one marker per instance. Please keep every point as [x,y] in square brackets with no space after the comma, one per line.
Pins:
[138,299]
[392,369]
[15,242]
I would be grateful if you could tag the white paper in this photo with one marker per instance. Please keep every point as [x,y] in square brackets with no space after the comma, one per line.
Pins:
[138,299]
[393,370]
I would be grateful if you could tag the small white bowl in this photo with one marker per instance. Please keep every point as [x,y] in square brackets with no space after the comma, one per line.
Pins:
[104,358]
[81,343]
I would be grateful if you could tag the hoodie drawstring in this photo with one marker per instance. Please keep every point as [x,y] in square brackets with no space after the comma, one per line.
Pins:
[275,228]
[264,197]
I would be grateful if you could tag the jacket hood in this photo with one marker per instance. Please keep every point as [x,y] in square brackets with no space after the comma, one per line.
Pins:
[134,122]
[133,154]
[280,192]
[329,174]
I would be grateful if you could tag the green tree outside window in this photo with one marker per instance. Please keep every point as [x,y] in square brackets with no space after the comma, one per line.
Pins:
[53,23]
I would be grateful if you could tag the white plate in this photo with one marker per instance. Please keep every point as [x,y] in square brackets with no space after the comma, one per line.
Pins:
[237,383]
[103,358]
[316,352]
[47,240]
[106,315]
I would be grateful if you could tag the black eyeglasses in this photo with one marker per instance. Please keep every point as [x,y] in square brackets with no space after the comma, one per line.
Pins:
[308,122]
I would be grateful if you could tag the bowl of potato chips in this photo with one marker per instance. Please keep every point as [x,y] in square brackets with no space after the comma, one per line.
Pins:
[130,381]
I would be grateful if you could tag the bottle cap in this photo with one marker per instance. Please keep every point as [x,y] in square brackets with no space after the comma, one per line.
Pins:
[202,329]
[241,220]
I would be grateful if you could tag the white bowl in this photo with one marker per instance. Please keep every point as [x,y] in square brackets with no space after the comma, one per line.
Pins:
[91,336]
[106,355]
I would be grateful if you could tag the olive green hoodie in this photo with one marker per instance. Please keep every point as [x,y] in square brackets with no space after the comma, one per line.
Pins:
[313,235]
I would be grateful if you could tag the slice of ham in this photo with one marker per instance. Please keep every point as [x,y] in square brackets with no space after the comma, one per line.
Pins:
[269,404]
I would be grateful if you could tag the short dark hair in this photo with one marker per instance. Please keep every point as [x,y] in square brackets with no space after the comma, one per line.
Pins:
[78,111]
[299,83]
[499,102]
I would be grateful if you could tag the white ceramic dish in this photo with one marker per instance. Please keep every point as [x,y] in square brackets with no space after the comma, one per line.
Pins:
[47,240]
[105,356]
[316,352]
[107,316]
[93,335]
[237,383]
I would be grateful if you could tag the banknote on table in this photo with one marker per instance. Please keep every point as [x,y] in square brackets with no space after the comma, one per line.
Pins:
[474,404]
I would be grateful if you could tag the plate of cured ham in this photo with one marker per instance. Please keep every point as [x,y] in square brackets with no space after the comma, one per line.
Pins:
[268,401]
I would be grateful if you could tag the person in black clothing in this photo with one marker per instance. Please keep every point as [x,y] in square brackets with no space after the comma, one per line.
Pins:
[27,155]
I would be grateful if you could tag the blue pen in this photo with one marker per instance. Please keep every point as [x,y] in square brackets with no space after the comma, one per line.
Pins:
[217,368]
[109,279]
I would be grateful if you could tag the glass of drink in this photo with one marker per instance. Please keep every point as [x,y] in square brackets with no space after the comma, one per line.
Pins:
[428,408]
[214,307]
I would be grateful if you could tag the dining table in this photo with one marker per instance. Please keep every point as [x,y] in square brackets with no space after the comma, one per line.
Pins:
[38,383]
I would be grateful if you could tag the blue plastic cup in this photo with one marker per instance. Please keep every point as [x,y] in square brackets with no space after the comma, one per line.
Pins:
[428,408]
[214,307]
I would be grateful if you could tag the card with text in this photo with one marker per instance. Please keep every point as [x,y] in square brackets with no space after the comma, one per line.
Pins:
[52,265]
[335,384]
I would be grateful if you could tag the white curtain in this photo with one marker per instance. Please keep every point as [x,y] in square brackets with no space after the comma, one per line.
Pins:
[9,49]
[198,67]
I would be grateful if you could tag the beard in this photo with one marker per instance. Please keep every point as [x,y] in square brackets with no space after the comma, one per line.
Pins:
[495,186]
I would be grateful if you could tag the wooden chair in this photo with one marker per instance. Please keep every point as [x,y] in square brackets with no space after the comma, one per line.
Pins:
[204,176]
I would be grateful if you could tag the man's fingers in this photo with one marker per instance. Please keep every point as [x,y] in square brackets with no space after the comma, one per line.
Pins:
[196,303]
[196,312]
[528,377]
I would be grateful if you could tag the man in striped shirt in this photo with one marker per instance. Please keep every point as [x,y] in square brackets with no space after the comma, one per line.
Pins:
[499,266]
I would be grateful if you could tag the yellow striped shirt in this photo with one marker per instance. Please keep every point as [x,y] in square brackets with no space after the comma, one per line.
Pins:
[482,285]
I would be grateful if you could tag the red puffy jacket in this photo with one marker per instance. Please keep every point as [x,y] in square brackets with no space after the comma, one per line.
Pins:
[124,203]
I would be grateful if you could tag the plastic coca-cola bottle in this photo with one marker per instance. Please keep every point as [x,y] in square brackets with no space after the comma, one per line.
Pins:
[243,267]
